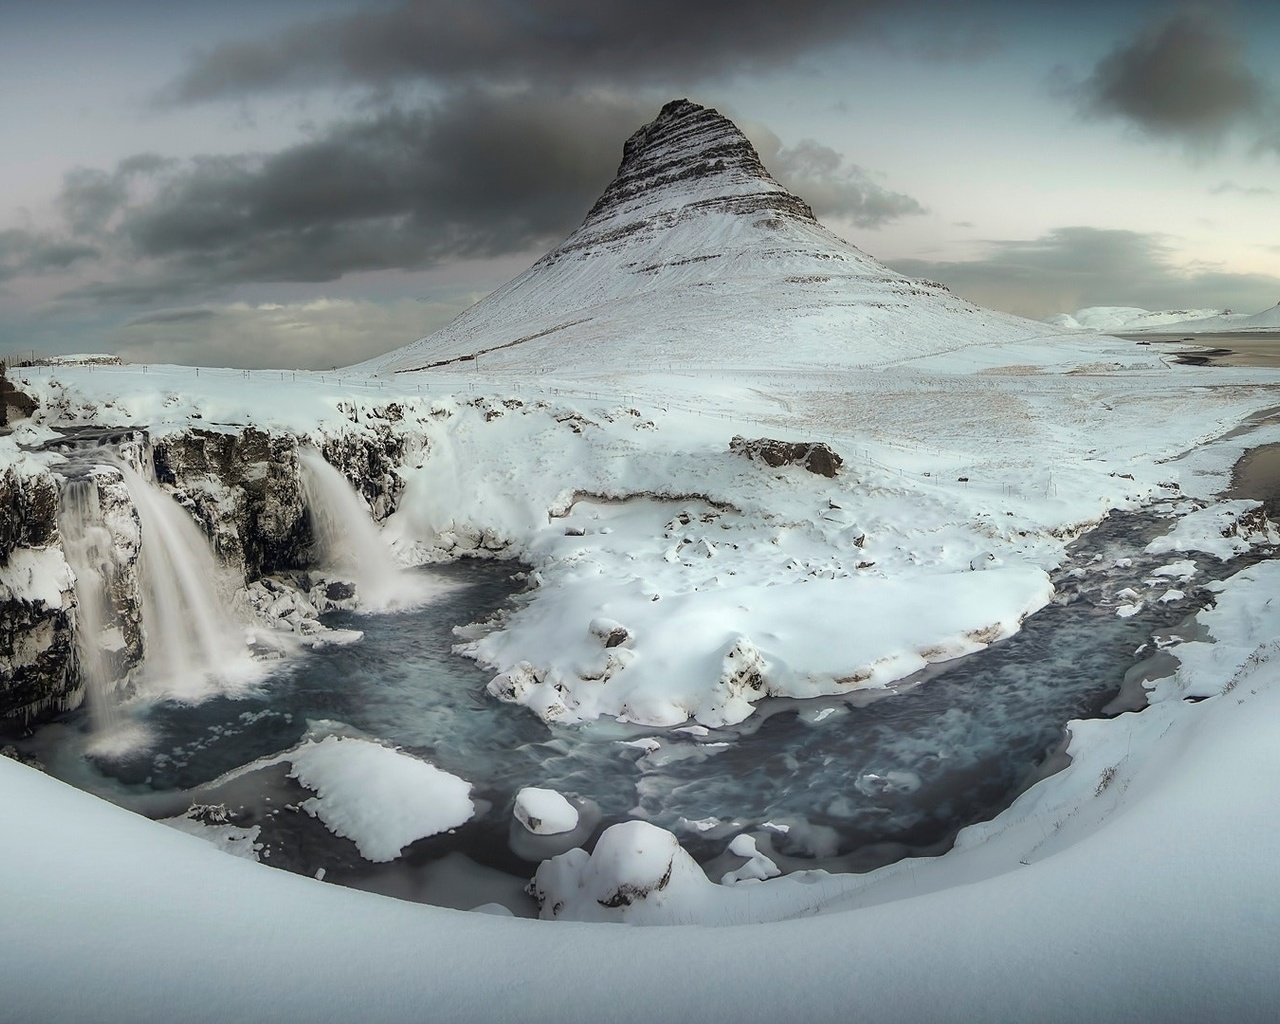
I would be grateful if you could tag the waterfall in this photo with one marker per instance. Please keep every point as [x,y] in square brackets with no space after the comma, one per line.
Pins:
[349,543]
[193,642]
[89,548]
[154,579]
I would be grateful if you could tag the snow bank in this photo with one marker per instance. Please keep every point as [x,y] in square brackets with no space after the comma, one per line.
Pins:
[1243,630]
[712,653]
[381,799]
[639,874]
[1224,529]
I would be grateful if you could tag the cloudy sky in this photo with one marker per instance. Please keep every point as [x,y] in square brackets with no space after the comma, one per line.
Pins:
[310,182]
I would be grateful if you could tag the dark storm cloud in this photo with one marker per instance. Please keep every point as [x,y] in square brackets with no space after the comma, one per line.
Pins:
[482,175]
[1074,267]
[24,252]
[1185,77]
[550,40]
[834,188]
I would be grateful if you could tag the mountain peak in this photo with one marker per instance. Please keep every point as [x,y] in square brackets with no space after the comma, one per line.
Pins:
[689,159]
[696,257]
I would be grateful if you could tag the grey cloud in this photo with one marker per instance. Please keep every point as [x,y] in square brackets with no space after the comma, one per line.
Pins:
[833,187]
[1185,77]
[1074,267]
[90,197]
[476,177]
[300,335]
[172,316]
[1227,188]
[24,252]
[548,40]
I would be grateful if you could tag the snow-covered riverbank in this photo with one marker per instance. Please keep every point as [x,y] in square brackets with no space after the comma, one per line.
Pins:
[1135,885]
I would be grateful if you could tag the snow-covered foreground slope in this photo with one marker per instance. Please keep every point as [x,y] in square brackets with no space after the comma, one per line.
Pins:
[1138,884]
[695,257]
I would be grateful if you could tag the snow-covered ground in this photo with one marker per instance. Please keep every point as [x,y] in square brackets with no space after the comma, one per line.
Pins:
[732,580]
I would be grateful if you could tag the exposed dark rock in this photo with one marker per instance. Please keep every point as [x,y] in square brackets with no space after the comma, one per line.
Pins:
[245,490]
[14,404]
[687,141]
[815,456]
[28,510]
[38,672]
[14,754]
[370,459]
[339,591]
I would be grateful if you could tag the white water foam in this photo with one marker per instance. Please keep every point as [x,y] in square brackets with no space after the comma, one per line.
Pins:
[89,548]
[350,544]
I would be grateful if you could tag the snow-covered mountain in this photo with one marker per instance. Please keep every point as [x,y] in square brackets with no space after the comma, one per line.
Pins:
[1167,321]
[1267,320]
[695,256]
[1126,318]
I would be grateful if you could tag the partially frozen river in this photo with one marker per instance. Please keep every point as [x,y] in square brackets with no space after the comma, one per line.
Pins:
[847,782]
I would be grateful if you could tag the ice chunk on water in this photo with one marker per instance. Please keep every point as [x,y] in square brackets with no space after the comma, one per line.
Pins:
[381,799]
[757,868]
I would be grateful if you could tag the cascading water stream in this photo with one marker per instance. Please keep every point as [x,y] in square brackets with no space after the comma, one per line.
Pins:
[192,639]
[146,569]
[349,543]
[89,546]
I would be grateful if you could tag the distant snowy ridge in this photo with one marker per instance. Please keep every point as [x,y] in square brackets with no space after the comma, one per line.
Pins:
[1125,318]
[1105,319]
[694,257]
[1267,320]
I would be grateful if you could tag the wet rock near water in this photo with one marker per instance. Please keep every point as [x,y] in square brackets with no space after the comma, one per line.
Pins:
[29,498]
[38,668]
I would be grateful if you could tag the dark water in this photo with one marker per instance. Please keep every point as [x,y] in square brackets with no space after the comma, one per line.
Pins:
[863,779]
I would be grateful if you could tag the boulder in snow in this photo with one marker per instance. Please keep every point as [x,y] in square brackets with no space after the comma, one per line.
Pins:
[545,812]
[814,456]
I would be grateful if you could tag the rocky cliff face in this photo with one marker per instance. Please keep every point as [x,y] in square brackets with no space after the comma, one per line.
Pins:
[37,602]
[688,162]
[244,490]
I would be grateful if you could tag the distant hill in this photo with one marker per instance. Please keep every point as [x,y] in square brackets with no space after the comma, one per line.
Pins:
[1134,319]
[1104,319]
